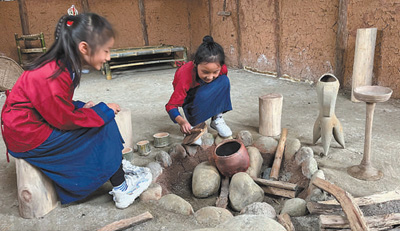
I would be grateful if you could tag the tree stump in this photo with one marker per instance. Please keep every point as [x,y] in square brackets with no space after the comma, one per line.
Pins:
[270,113]
[36,193]
[363,59]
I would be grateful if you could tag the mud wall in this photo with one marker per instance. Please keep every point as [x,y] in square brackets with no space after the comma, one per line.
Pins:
[294,39]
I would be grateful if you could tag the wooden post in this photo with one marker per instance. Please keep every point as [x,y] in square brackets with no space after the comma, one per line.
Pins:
[270,112]
[341,41]
[124,122]
[23,14]
[143,22]
[276,166]
[85,6]
[363,59]
[36,193]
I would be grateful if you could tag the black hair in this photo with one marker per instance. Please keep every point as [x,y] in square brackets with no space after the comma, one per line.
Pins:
[70,31]
[209,52]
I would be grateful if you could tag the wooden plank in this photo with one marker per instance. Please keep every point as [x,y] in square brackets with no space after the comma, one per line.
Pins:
[333,206]
[222,200]
[276,166]
[125,223]
[350,208]
[378,222]
[279,192]
[341,41]
[276,184]
[284,220]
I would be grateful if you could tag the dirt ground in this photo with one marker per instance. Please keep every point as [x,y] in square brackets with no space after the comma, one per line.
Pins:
[145,91]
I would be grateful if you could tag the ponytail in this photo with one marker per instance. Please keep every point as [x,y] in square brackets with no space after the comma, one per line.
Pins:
[209,52]
[70,31]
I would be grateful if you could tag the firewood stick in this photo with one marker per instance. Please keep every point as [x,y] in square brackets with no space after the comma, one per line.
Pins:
[350,208]
[276,184]
[222,200]
[125,223]
[276,166]
[284,220]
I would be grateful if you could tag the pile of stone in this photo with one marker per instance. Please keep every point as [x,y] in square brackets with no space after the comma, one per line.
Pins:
[247,207]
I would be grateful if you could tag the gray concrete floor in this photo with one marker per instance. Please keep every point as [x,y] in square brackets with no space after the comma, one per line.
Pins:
[145,91]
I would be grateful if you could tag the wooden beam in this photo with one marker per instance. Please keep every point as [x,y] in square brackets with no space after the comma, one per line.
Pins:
[341,41]
[350,208]
[143,22]
[378,222]
[333,207]
[125,223]
[23,14]
[85,6]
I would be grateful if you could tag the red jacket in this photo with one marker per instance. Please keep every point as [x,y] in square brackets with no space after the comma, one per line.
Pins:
[37,104]
[184,80]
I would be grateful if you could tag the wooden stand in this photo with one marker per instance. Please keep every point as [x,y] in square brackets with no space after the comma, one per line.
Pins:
[363,59]
[124,122]
[144,147]
[270,112]
[36,193]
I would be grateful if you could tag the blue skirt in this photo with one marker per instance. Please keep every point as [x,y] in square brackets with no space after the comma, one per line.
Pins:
[208,100]
[78,161]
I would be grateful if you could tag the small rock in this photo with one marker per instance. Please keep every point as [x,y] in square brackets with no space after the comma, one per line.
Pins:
[313,192]
[177,151]
[260,208]
[156,170]
[250,222]
[267,173]
[246,137]
[219,139]
[176,204]
[211,216]
[291,147]
[316,195]
[207,139]
[163,158]
[295,207]
[154,193]
[256,162]
[191,150]
[267,147]
[206,180]
[244,191]
[303,154]
[309,167]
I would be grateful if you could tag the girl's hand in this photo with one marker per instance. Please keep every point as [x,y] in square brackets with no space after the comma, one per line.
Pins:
[89,104]
[115,107]
[185,126]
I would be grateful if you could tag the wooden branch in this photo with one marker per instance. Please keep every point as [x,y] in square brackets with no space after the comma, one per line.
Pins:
[333,207]
[379,222]
[284,220]
[350,208]
[222,200]
[276,184]
[279,192]
[276,166]
[125,223]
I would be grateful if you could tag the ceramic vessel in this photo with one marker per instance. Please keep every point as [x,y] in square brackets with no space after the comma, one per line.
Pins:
[231,156]
[327,123]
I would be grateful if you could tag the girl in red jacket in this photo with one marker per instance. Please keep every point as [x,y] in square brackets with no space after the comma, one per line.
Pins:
[76,144]
[202,89]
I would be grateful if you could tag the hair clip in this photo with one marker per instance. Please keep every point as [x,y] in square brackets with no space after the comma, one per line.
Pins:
[69,23]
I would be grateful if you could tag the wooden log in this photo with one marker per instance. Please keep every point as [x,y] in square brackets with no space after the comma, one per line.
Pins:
[333,207]
[124,122]
[284,220]
[363,59]
[276,166]
[276,184]
[143,147]
[279,192]
[350,208]
[161,139]
[270,112]
[36,193]
[378,222]
[222,200]
[126,223]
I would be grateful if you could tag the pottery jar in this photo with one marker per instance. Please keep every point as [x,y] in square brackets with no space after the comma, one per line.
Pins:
[231,156]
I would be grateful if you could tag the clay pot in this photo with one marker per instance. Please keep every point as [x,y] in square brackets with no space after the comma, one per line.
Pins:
[231,156]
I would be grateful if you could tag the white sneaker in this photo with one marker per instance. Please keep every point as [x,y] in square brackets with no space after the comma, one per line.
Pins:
[136,185]
[132,169]
[221,127]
